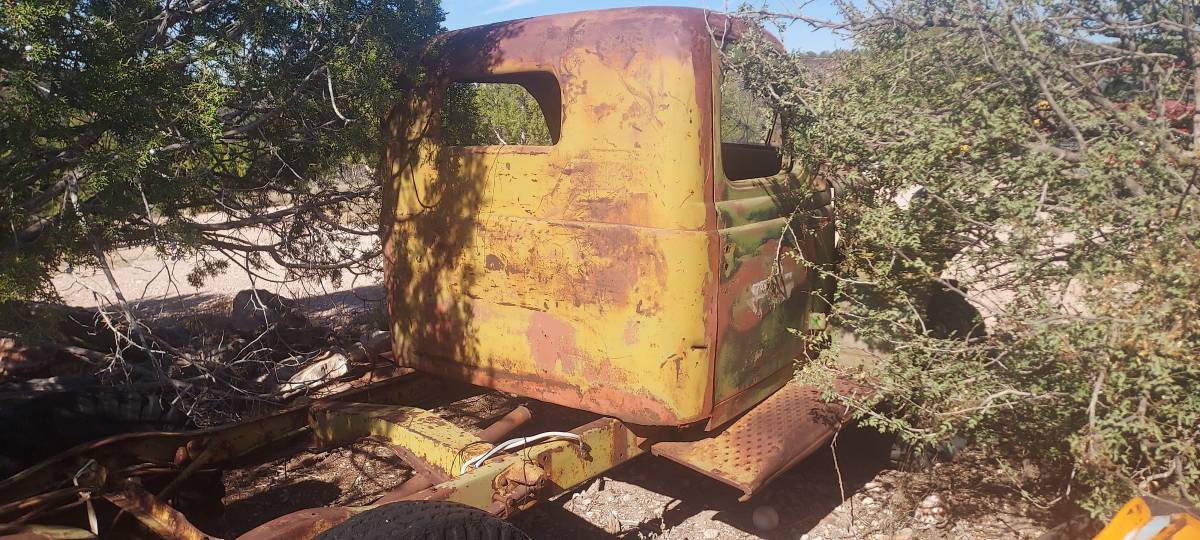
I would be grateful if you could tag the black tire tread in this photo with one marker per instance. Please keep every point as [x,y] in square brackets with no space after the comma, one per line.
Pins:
[424,520]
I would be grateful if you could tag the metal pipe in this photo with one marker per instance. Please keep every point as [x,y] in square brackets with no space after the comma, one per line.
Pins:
[506,424]
[417,483]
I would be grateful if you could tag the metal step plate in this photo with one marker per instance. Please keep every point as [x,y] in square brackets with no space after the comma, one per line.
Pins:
[785,428]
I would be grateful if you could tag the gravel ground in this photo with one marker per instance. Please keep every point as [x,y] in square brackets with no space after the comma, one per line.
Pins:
[655,498]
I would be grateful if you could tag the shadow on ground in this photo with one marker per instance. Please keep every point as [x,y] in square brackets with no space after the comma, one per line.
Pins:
[801,497]
[363,298]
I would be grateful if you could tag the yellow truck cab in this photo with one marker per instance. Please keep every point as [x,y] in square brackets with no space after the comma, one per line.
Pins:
[635,264]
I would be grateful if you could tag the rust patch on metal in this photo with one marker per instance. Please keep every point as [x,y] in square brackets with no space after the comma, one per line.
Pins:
[552,341]
[494,263]
[159,517]
[517,487]
[631,332]
[642,409]
[43,532]
[782,430]
[301,525]
[767,285]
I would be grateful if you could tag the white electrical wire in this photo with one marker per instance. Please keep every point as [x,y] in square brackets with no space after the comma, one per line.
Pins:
[513,444]
[93,523]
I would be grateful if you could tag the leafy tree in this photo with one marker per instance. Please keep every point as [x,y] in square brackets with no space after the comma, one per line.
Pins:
[221,129]
[1034,161]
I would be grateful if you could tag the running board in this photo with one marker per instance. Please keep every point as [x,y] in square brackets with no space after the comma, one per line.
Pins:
[769,439]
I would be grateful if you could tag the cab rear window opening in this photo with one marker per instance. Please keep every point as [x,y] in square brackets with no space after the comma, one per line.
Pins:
[518,109]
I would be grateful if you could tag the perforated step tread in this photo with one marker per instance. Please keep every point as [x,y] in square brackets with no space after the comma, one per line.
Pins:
[769,439]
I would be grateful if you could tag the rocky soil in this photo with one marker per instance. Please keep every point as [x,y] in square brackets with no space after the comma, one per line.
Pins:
[653,498]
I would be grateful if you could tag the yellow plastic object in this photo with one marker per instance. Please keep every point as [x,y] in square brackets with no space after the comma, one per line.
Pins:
[1136,521]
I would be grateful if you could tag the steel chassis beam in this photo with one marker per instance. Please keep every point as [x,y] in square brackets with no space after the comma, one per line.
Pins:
[436,449]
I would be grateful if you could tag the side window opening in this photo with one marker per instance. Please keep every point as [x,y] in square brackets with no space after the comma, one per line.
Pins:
[750,131]
[521,109]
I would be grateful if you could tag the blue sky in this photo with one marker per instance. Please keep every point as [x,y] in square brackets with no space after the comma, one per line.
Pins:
[465,13]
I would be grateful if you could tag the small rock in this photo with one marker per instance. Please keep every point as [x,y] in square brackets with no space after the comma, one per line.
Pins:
[327,367]
[931,511]
[868,501]
[614,526]
[903,534]
[596,486]
[711,533]
[765,518]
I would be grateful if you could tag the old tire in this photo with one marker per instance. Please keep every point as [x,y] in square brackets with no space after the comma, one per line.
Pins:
[424,520]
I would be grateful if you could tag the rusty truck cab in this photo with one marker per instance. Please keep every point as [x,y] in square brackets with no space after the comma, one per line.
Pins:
[631,264]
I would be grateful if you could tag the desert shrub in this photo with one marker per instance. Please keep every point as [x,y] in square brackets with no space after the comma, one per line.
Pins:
[1031,164]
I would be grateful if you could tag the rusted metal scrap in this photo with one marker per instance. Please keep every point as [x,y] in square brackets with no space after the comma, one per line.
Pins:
[786,428]
[158,517]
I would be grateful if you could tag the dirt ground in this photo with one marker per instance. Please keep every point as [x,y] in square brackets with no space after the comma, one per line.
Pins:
[154,286]
[647,498]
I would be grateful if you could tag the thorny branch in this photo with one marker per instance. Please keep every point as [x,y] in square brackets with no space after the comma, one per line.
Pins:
[1060,225]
